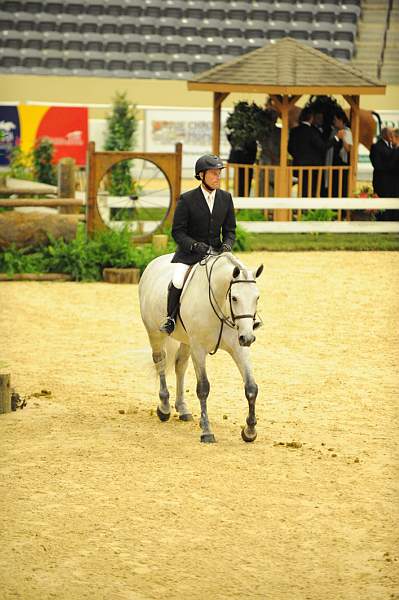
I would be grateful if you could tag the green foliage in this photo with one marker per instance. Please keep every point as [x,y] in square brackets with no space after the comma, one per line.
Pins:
[240,124]
[243,240]
[322,214]
[20,164]
[121,129]
[247,214]
[42,157]
[82,258]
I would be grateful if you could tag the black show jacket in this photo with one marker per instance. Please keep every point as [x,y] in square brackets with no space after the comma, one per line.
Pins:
[193,222]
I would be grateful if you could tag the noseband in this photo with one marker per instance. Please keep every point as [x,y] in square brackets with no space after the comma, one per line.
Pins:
[230,321]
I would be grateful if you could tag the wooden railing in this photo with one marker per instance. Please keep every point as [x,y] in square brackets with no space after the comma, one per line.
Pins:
[261,180]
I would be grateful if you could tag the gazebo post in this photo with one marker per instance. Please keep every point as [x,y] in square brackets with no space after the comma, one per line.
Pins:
[218,98]
[354,103]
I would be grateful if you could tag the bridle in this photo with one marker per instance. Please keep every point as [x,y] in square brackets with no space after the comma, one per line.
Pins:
[230,321]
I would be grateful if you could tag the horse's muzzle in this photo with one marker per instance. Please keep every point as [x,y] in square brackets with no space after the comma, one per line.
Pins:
[246,340]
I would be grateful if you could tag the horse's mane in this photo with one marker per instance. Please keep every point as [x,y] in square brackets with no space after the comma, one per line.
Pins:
[237,263]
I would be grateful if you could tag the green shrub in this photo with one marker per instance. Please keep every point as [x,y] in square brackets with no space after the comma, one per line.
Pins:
[42,157]
[20,165]
[243,240]
[322,214]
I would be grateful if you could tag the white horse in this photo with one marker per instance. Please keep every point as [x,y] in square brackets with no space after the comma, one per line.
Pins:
[217,310]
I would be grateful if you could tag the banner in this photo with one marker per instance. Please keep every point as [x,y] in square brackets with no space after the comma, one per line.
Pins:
[65,127]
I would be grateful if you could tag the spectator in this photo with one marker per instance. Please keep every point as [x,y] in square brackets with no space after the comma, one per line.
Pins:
[245,155]
[307,149]
[342,142]
[381,157]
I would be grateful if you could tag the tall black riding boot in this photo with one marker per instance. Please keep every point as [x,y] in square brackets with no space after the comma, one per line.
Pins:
[172,307]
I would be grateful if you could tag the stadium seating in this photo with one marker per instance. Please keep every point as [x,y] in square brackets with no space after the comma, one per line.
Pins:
[129,37]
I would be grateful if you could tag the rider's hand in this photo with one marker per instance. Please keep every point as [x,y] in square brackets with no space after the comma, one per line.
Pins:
[200,248]
[225,248]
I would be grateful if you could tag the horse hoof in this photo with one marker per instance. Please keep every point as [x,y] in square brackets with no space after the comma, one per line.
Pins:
[162,416]
[208,438]
[248,437]
[186,417]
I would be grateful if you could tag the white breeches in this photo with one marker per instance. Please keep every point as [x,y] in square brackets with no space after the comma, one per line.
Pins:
[180,271]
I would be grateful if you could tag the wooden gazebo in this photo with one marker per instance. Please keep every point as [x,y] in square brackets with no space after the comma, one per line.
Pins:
[287,70]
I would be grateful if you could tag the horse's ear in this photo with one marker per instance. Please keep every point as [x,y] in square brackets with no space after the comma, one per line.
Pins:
[258,271]
[236,272]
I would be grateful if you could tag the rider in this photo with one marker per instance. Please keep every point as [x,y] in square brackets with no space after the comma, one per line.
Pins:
[204,220]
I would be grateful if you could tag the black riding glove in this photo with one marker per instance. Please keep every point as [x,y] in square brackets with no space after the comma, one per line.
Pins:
[200,248]
[225,248]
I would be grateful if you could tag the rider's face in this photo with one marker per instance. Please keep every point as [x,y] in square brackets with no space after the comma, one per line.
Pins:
[212,178]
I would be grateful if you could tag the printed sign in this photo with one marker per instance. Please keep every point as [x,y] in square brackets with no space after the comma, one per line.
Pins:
[66,127]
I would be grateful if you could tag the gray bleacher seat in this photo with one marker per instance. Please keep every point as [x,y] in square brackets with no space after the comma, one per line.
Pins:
[260,12]
[12,39]
[132,42]
[68,24]
[128,27]
[117,62]
[115,8]
[168,26]
[87,25]
[93,42]
[53,8]
[281,15]
[321,35]
[95,61]
[213,46]
[324,16]
[33,39]
[192,30]
[301,35]
[47,22]
[52,40]
[232,29]
[53,60]
[347,47]
[33,7]
[355,9]
[217,10]
[343,36]
[152,10]
[180,67]
[324,46]
[108,24]
[113,43]
[153,45]
[240,11]
[194,12]
[95,7]
[12,6]
[172,44]
[256,31]
[173,10]
[192,48]
[9,58]
[302,16]
[159,63]
[73,44]
[133,10]
[147,25]
[277,31]
[201,65]
[341,53]
[74,61]
[24,22]
[73,7]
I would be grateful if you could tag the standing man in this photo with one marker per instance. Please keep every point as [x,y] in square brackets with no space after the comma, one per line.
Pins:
[381,155]
[307,149]
[204,219]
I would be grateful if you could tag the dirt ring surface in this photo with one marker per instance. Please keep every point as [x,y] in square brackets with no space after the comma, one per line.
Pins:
[99,500]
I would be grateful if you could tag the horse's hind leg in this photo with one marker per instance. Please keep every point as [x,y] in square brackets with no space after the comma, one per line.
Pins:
[198,355]
[159,358]
[181,363]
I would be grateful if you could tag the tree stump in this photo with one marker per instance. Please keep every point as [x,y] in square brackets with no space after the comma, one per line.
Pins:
[113,275]
[5,394]
[159,241]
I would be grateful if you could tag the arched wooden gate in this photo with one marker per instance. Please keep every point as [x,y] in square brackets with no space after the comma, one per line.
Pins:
[98,163]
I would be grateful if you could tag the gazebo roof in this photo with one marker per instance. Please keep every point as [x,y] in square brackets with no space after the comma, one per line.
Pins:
[286,67]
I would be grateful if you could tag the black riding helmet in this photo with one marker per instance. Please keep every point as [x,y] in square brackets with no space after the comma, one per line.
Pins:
[206,162]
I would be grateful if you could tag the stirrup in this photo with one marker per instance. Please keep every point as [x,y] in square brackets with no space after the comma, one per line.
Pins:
[169,326]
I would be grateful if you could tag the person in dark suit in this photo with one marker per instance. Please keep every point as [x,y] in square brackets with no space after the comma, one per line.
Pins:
[381,156]
[308,149]
[244,155]
[204,219]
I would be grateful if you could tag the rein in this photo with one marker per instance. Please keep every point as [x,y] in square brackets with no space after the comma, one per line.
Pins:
[230,321]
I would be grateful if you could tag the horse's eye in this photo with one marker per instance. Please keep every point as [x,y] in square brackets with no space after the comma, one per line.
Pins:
[234,299]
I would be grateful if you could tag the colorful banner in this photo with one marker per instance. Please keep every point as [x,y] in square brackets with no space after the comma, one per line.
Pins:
[65,127]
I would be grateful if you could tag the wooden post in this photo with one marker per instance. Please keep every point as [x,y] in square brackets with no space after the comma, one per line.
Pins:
[282,175]
[5,394]
[218,98]
[159,241]
[354,102]
[66,184]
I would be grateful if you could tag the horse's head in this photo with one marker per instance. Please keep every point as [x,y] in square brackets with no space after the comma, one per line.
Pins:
[243,299]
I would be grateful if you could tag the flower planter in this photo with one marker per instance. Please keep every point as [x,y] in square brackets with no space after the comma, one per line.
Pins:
[114,275]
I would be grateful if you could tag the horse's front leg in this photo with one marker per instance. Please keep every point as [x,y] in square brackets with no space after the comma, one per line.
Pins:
[241,357]
[181,363]
[198,356]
